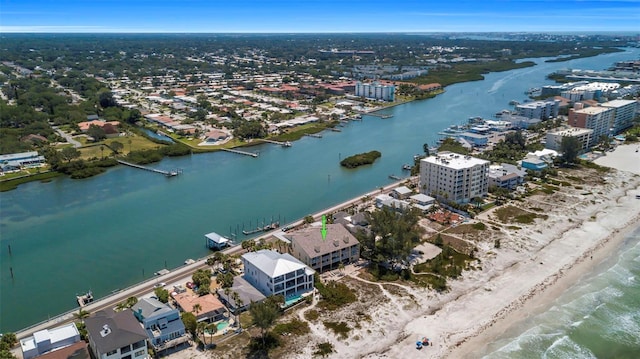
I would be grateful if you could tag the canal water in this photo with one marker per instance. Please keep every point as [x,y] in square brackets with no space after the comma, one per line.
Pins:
[111,231]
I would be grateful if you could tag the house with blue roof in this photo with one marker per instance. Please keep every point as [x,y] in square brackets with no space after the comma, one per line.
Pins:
[162,323]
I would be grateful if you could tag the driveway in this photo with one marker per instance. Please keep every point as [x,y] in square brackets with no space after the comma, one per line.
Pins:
[67,137]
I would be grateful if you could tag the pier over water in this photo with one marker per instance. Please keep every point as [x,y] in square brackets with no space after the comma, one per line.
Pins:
[166,173]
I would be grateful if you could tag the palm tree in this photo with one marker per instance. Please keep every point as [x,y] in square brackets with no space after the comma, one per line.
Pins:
[200,330]
[196,308]
[212,329]
[81,315]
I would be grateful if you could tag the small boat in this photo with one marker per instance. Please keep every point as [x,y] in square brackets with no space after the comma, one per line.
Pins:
[394,177]
[406,167]
[286,144]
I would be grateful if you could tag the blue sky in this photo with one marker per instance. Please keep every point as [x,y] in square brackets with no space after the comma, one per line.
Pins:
[318,15]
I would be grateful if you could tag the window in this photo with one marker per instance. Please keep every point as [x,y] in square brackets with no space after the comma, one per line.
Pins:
[139,344]
[125,349]
[127,357]
[112,352]
[139,353]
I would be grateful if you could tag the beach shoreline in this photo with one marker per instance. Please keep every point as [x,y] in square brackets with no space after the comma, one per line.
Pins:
[544,294]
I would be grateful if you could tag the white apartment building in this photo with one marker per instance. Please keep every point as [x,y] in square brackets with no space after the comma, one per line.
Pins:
[554,138]
[625,111]
[376,91]
[454,177]
[273,273]
[539,109]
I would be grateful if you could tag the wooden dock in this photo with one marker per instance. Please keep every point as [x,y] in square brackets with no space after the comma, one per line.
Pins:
[252,154]
[316,135]
[166,173]
[268,227]
[283,144]
[377,114]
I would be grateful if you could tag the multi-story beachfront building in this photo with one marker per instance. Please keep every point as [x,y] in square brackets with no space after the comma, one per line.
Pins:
[321,254]
[162,323]
[554,138]
[376,91]
[453,177]
[274,273]
[598,119]
[116,335]
[625,111]
[539,109]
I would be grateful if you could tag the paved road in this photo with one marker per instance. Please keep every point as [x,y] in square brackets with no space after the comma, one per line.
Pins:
[181,274]
[67,137]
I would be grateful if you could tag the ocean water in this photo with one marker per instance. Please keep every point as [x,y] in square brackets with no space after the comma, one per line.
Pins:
[598,317]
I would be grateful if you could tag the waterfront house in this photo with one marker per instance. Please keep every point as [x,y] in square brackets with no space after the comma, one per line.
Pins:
[79,350]
[210,307]
[116,335]
[322,254]
[48,340]
[274,273]
[18,161]
[240,295]
[162,323]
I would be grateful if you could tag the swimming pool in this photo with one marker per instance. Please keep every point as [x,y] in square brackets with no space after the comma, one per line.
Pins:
[220,326]
[292,300]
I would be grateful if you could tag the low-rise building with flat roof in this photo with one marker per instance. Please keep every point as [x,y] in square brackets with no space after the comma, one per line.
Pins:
[47,340]
[583,135]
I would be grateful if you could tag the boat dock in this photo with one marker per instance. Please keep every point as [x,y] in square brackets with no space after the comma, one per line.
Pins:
[283,144]
[335,129]
[166,173]
[268,227]
[394,177]
[316,135]
[85,299]
[377,114]
[252,154]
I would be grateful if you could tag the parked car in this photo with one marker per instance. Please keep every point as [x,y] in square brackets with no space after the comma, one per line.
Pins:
[190,285]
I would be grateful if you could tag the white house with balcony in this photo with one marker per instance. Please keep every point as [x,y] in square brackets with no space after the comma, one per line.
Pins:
[274,273]
[48,340]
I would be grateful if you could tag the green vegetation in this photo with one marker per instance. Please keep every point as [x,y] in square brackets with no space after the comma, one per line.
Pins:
[334,295]
[360,159]
[202,279]
[448,264]
[264,315]
[479,226]
[511,214]
[451,145]
[311,315]
[323,349]
[295,326]
[8,341]
[13,183]
[392,237]
[585,53]
[341,329]
[451,74]
[510,150]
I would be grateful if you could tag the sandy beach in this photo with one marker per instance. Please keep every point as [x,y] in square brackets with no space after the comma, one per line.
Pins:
[534,265]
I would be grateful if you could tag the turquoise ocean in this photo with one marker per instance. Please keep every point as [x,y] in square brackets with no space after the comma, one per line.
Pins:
[597,317]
